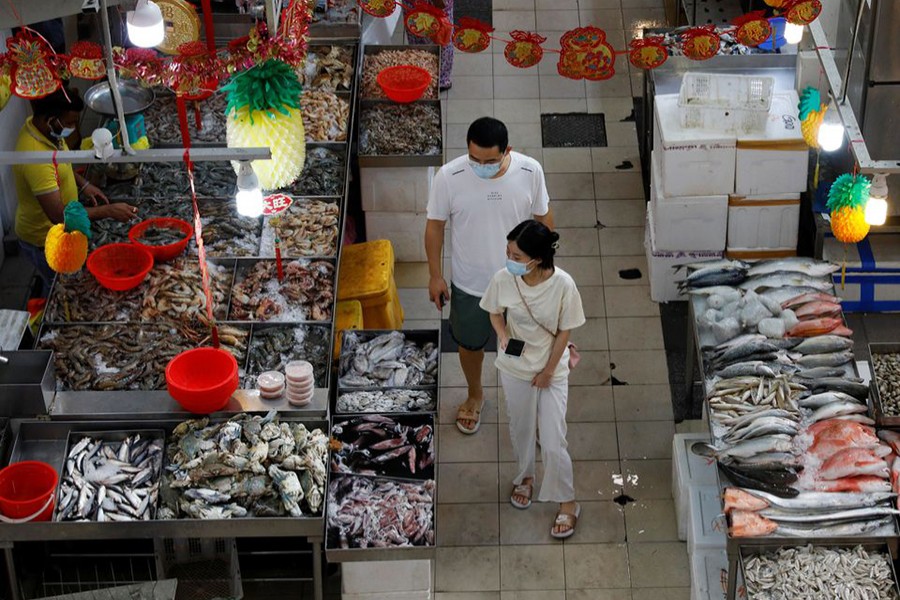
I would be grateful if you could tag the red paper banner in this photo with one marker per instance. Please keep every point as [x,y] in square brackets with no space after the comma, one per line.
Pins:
[276,203]
[201,252]
[700,43]
[585,54]
[472,35]
[525,49]
[86,61]
[648,53]
[378,8]
[430,22]
[803,12]
[752,29]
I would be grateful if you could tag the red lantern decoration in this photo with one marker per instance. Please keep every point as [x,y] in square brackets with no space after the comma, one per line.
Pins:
[196,71]
[585,54]
[752,29]
[648,53]
[700,43]
[472,35]
[525,49]
[86,61]
[378,8]
[32,76]
[427,21]
[803,12]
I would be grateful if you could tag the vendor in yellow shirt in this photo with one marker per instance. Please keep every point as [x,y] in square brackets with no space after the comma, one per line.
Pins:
[44,189]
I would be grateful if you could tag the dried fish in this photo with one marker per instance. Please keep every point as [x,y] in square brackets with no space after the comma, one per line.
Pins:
[376,62]
[387,401]
[400,129]
[382,445]
[387,360]
[272,347]
[306,228]
[306,294]
[328,68]
[325,116]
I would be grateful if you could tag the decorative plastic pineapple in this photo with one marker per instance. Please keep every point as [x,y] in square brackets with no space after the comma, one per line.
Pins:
[847,202]
[812,112]
[66,245]
[264,110]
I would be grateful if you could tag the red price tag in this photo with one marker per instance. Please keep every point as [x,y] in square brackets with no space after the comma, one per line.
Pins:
[276,203]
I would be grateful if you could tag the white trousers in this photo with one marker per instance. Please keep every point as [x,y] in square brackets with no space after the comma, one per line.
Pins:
[529,409]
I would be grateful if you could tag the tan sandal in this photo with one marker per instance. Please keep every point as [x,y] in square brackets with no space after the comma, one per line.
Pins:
[469,414]
[524,490]
[567,520]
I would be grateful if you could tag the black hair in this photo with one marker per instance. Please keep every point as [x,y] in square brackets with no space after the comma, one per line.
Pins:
[488,132]
[536,240]
[57,104]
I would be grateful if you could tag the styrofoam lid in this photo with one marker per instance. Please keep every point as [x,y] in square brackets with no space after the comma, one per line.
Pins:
[671,133]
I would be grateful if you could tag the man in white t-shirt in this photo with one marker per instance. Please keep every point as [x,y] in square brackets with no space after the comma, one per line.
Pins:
[482,195]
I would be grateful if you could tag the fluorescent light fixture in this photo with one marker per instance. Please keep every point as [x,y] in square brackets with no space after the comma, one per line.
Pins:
[877,206]
[793,33]
[249,197]
[146,28]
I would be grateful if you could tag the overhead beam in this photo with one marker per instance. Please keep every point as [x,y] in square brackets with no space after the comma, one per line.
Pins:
[154,155]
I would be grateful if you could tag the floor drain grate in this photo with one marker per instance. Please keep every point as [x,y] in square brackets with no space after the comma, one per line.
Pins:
[483,10]
[573,130]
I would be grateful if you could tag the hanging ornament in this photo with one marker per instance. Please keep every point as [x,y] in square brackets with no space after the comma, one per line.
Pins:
[812,112]
[802,12]
[264,110]
[472,35]
[86,61]
[293,33]
[752,29]
[182,24]
[430,22]
[647,53]
[32,76]
[142,64]
[700,43]
[196,72]
[525,49]
[66,245]
[585,54]
[5,86]
[847,202]
[776,3]
[378,8]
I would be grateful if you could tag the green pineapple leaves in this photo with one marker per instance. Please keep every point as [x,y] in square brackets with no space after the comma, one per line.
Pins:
[270,86]
[75,216]
[810,100]
[848,191]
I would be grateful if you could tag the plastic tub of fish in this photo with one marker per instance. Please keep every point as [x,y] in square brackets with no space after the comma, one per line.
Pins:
[384,445]
[110,476]
[884,388]
[307,228]
[164,237]
[379,360]
[819,571]
[305,295]
[400,135]
[396,400]
[403,530]
[273,346]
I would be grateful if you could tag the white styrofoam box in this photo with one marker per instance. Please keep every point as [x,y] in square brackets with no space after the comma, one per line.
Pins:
[693,162]
[364,578]
[763,222]
[661,263]
[709,575]
[688,470]
[687,222]
[706,527]
[421,595]
[395,189]
[725,102]
[777,161]
[406,231]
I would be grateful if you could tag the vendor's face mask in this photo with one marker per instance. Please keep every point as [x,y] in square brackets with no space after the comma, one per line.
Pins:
[64,131]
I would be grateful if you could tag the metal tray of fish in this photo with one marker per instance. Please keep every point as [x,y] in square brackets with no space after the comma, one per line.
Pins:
[819,570]
[324,171]
[390,401]
[168,182]
[329,67]
[403,530]
[78,298]
[408,359]
[377,57]
[227,234]
[110,476]
[273,346]
[401,446]
[308,228]
[400,135]
[163,129]
[884,387]
[305,295]
[109,231]
[326,115]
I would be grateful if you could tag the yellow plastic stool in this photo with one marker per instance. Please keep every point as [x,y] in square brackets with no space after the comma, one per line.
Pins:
[367,275]
[348,315]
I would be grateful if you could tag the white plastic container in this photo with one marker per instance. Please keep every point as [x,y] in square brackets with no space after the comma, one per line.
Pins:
[724,102]
[709,575]
[687,222]
[775,161]
[706,530]
[763,222]
[693,162]
[688,470]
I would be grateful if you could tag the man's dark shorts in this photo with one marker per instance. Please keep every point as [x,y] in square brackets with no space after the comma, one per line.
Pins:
[470,325]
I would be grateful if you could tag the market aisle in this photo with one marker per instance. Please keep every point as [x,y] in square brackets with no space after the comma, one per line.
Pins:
[619,435]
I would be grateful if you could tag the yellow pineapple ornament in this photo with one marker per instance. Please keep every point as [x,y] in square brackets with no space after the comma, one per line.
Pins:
[264,110]
[66,244]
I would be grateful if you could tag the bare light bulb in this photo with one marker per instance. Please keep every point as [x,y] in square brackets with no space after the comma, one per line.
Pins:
[877,206]
[793,33]
[831,136]
[146,28]
[249,198]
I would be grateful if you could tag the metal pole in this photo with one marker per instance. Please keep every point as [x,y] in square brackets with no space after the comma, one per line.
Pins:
[111,77]
[854,37]
[318,588]
[151,155]
[14,593]
[272,11]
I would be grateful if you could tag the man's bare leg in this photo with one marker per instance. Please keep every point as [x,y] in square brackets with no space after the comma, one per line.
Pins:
[471,362]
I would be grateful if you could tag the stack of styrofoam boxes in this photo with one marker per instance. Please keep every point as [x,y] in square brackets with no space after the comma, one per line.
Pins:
[692,176]
[770,174]
[395,200]
[395,579]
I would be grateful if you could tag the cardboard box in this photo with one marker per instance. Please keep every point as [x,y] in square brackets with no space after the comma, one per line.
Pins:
[777,161]
[693,162]
[872,280]
[769,222]
[661,264]
[687,222]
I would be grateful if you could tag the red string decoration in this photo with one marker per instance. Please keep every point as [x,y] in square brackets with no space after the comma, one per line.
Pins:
[201,252]
[86,61]
[700,43]
[427,21]
[525,49]
[472,35]
[378,8]
[585,54]
[648,53]
[803,12]
[752,29]
[32,76]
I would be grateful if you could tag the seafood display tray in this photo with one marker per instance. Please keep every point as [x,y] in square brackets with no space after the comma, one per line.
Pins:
[434,392]
[46,441]
[370,49]
[876,407]
[391,469]
[420,337]
[401,160]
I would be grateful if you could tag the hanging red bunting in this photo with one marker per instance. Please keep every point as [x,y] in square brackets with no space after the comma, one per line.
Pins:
[197,73]
[803,12]
[585,54]
[86,61]
[525,49]
[648,53]
[427,21]
[700,43]
[32,76]
[378,8]
[142,64]
[752,29]
[472,35]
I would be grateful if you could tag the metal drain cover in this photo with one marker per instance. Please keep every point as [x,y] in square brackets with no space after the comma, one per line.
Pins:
[573,130]
[483,10]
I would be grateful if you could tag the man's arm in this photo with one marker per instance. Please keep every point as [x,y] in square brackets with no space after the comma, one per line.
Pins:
[546,219]
[434,243]
[53,208]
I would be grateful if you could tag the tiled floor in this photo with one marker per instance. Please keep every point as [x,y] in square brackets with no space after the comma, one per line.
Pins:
[619,435]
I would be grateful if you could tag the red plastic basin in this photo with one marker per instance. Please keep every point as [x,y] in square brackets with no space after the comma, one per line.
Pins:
[404,83]
[167,251]
[203,379]
[120,267]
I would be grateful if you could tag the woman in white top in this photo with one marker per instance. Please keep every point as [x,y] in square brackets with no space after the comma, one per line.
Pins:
[532,301]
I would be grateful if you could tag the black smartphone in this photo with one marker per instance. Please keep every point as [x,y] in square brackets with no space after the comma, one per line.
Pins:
[443,300]
[514,347]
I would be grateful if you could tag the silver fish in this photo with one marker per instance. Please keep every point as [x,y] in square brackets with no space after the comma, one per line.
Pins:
[817,372]
[781,280]
[823,344]
[762,427]
[755,367]
[772,443]
[836,409]
[806,266]
[876,528]
[824,501]
[856,514]
[824,398]
[782,294]
[719,263]
[833,359]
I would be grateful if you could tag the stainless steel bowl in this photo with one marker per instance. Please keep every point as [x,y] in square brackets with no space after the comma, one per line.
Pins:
[135,98]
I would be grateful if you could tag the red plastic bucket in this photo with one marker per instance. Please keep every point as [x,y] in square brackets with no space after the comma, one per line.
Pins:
[27,491]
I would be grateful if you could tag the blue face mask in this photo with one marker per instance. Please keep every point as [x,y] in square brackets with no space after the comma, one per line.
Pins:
[516,268]
[485,171]
[66,132]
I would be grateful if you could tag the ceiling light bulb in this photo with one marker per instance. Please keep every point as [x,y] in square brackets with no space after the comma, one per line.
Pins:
[877,206]
[249,197]
[793,33]
[831,136]
[146,28]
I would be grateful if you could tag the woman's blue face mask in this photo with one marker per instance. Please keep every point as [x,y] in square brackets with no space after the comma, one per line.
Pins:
[516,268]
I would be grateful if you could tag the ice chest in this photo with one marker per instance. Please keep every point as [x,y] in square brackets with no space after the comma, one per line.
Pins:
[687,222]
[661,263]
[688,470]
[693,162]
[348,314]
[769,222]
[706,530]
[777,161]
[709,574]
[872,282]
[367,275]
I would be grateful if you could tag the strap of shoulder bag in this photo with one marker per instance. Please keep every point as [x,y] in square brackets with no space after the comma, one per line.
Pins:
[531,314]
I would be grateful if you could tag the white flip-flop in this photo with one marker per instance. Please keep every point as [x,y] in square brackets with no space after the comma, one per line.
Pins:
[566,519]
[523,489]
[476,415]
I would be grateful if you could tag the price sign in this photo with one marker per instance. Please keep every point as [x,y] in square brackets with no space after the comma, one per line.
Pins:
[276,203]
